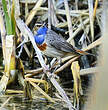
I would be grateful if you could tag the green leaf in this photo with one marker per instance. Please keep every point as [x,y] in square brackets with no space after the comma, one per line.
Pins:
[13,18]
[7,18]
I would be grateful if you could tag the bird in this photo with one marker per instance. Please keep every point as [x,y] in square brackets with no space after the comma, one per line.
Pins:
[54,45]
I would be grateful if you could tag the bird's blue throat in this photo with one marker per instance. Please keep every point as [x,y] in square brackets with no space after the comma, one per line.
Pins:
[39,39]
[40,36]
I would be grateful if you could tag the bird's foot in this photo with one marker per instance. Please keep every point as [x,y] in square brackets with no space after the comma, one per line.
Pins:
[55,63]
[53,67]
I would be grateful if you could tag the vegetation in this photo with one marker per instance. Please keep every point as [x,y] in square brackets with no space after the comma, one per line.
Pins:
[23,69]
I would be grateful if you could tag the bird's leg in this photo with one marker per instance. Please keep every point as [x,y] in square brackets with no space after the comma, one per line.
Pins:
[55,63]
[59,61]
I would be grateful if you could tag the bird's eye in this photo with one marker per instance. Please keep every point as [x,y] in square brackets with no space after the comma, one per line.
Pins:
[51,40]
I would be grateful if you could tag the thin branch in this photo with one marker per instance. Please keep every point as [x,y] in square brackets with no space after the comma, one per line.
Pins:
[69,20]
[90,4]
[33,12]
[5,102]
[89,70]
[49,14]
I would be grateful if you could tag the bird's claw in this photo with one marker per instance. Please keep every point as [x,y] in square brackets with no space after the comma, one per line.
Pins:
[55,63]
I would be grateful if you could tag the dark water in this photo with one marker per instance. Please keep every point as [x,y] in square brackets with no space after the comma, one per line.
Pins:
[17,102]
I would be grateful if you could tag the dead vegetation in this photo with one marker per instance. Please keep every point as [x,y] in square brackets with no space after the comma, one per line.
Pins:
[79,22]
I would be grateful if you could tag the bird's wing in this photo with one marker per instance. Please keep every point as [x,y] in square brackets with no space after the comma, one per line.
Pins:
[59,42]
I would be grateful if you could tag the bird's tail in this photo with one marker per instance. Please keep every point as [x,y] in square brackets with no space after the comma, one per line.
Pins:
[81,52]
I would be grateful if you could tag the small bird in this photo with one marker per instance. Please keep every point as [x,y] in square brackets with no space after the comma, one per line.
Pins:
[54,45]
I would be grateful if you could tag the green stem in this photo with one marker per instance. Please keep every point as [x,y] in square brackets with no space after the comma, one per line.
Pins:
[7,18]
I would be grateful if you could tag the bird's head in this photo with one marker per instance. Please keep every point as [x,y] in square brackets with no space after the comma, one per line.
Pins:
[42,30]
[40,36]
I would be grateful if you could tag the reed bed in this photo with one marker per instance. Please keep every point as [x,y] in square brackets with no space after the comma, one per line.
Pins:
[24,70]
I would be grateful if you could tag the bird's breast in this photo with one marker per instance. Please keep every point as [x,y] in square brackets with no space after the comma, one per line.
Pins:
[42,47]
